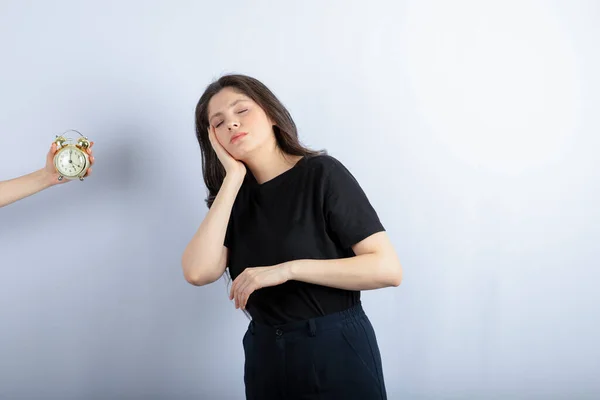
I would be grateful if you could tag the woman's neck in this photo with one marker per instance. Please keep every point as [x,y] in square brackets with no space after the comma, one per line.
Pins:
[269,163]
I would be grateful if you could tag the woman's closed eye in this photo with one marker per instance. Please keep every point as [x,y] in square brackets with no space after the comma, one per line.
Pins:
[237,112]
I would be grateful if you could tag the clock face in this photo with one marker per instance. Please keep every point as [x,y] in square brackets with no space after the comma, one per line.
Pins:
[70,162]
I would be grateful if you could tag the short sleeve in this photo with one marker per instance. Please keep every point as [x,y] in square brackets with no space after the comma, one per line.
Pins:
[348,212]
[228,232]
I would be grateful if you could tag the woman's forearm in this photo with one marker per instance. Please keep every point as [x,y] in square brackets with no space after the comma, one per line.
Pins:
[24,186]
[361,272]
[204,259]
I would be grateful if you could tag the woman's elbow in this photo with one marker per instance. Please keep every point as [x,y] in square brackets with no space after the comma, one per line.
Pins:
[195,275]
[199,279]
[396,278]
[391,272]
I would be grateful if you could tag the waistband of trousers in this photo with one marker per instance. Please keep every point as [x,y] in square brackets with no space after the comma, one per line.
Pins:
[311,325]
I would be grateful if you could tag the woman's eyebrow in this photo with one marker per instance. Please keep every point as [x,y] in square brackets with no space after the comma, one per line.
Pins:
[231,105]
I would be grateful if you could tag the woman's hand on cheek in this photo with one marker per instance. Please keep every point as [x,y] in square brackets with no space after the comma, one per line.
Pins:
[233,167]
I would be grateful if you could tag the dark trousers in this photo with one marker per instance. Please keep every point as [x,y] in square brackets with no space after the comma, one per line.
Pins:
[331,357]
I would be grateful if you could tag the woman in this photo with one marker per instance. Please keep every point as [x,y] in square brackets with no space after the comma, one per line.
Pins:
[299,239]
[24,186]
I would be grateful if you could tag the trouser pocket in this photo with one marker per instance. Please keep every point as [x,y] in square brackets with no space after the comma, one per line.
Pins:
[362,344]
[337,363]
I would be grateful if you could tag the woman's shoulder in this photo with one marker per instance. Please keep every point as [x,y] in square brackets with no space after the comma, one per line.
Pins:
[323,161]
[329,169]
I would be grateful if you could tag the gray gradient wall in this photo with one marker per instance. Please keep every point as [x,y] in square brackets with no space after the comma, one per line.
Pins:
[472,126]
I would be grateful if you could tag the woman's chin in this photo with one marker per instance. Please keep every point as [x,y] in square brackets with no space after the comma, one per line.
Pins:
[241,153]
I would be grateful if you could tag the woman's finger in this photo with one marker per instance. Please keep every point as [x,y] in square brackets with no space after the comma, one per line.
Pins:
[246,297]
[239,296]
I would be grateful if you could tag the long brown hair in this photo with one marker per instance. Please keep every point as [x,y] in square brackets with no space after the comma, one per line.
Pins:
[284,127]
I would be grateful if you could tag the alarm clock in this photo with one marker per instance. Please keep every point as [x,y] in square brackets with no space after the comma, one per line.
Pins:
[71,159]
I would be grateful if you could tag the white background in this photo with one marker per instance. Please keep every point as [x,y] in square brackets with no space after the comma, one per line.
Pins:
[472,126]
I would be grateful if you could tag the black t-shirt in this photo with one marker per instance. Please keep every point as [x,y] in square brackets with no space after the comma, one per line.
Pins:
[315,210]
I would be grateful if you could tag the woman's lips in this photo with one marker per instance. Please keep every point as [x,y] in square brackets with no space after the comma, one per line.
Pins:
[237,136]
